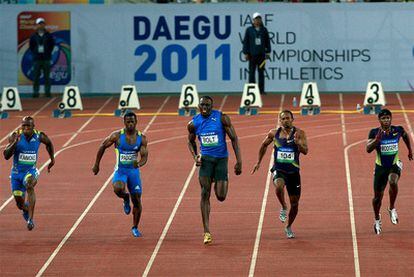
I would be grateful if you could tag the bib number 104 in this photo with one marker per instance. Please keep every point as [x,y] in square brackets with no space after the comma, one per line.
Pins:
[175,64]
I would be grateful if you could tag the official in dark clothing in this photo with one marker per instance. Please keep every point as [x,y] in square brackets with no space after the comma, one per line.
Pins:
[41,46]
[256,49]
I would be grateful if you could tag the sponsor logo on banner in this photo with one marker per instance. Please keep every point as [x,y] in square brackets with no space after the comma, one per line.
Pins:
[58,25]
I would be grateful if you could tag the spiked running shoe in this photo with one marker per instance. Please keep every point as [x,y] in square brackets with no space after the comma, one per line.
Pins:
[283,215]
[393,216]
[127,206]
[30,224]
[377,226]
[207,238]
[289,233]
[135,232]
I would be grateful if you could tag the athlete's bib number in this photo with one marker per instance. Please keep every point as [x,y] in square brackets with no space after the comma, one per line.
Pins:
[27,158]
[389,149]
[285,157]
[127,158]
[209,140]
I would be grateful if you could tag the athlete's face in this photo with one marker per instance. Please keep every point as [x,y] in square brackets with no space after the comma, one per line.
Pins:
[385,121]
[27,127]
[130,123]
[286,120]
[205,106]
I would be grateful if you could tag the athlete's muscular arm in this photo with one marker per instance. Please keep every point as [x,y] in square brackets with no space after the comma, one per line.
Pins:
[262,151]
[192,145]
[301,142]
[373,142]
[143,152]
[11,147]
[406,139]
[113,138]
[225,120]
[49,148]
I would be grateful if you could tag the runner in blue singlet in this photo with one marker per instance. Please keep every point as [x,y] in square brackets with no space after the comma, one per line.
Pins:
[289,142]
[128,143]
[211,127]
[24,146]
[388,165]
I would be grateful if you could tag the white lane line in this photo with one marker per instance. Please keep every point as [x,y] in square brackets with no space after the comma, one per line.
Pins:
[32,115]
[87,122]
[263,209]
[407,121]
[223,102]
[349,188]
[82,216]
[341,103]
[58,152]
[170,219]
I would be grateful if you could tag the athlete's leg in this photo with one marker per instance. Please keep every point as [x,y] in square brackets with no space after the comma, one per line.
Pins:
[221,179]
[205,183]
[221,188]
[393,189]
[380,182]
[280,192]
[31,182]
[20,202]
[119,190]
[376,203]
[137,209]
[294,207]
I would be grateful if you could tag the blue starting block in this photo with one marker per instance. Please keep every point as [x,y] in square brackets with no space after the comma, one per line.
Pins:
[248,111]
[4,115]
[310,110]
[62,113]
[121,112]
[187,112]
[372,109]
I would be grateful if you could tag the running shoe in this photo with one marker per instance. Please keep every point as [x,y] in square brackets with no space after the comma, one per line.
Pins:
[127,206]
[283,215]
[289,233]
[393,216]
[207,238]
[30,224]
[378,226]
[135,232]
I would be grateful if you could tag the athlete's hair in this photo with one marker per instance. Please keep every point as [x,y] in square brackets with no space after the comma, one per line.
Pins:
[27,118]
[384,112]
[129,114]
[286,111]
[207,97]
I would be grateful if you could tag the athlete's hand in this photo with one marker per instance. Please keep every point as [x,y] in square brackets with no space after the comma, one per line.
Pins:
[410,156]
[296,137]
[238,168]
[95,169]
[50,165]
[256,168]
[15,138]
[197,160]
[379,135]
[135,164]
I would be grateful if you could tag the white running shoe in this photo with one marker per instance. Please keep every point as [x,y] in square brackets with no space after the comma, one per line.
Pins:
[289,233]
[378,226]
[283,215]
[393,216]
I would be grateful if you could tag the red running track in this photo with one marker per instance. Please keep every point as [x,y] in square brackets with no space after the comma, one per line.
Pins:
[82,231]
